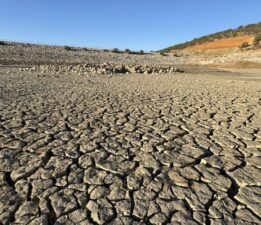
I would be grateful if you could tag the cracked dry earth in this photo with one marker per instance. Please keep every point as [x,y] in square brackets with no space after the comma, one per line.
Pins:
[129,149]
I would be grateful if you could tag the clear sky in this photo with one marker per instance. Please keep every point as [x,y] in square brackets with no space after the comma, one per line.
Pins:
[134,24]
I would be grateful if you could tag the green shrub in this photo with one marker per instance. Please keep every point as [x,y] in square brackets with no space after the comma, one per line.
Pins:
[257,39]
[67,48]
[244,45]
[163,54]
[116,50]
[2,43]
[141,52]
[134,53]
[127,50]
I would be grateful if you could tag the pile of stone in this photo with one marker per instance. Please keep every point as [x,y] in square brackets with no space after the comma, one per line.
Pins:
[154,69]
[105,68]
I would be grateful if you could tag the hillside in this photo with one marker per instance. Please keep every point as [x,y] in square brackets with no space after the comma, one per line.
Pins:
[12,53]
[228,39]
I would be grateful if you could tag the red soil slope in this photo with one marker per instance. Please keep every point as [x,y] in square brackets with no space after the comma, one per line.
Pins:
[229,43]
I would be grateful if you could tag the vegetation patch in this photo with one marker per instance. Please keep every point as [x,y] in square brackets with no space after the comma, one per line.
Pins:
[127,50]
[244,45]
[257,39]
[67,48]
[116,50]
[141,52]
[163,54]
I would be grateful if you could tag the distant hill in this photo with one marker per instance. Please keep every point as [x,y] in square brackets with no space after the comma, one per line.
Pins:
[243,36]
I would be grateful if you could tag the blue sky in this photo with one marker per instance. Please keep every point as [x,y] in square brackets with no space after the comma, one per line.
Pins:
[134,24]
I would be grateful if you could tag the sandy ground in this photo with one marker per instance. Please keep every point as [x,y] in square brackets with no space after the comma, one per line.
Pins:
[130,149]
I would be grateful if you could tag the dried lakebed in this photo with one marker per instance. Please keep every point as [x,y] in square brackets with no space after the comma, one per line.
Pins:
[129,149]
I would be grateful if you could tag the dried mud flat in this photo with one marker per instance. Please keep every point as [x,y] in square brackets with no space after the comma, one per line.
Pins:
[130,149]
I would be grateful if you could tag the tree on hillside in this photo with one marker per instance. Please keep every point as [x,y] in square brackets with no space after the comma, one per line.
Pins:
[257,39]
